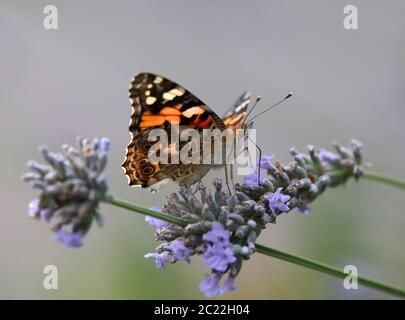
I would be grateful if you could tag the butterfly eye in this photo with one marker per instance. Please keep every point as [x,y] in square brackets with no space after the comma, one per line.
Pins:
[148,170]
[147,147]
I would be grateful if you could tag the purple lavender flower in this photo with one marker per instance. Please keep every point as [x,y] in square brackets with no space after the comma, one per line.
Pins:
[277,200]
[218,254]
[229,285]
[180,251]
[210,285]
[105,144]
[71,184]
[160,258]
[265,162]
[224,228]
[217,234]
[327,156]
[72,240]
[219,257]
[33,208]
[157,223]
[252,179]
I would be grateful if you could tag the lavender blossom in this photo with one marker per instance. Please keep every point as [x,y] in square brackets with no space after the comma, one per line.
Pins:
[71,185]
[223,228]
[157,223]
[277,201]
[160,258]
[219,253]
[180,251]
[72,240]
[265,162]
[210,285]
[252,179]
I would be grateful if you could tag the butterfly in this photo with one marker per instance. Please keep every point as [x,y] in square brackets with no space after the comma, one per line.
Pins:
[158,102]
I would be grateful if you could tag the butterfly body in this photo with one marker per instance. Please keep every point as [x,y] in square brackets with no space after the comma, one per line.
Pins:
[159,103]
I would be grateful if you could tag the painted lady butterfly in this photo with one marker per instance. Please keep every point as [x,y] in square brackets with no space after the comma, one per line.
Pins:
[160,103]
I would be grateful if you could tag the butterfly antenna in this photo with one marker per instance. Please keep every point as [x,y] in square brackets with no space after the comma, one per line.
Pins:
[271,107]
[254,105]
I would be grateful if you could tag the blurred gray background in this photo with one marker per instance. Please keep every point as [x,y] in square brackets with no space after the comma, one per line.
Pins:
[59,84]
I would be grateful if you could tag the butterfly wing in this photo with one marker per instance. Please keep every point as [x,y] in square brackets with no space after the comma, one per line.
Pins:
[158,102]
[237,113]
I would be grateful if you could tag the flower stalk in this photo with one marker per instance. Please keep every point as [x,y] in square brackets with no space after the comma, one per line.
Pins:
[379,177]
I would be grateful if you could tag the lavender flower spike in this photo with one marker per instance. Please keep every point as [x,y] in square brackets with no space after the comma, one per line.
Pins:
[223,229]
[71,185]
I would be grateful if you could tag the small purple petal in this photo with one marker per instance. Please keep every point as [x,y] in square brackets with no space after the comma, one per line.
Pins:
[160,258]
[277,200]
[265,162]
[33,208]
[210,285]
[180,251]
[105,144]
[72,240]
[327,156]
[157,223]
[217,233]
[219,258]
[252,179]
[229,285]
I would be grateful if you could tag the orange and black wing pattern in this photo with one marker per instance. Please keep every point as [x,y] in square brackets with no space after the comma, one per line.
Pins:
[160,103]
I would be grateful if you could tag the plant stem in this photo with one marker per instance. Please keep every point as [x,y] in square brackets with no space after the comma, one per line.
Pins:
[334,271]
[308,263]
[370,175]
[378,177]
[147,212]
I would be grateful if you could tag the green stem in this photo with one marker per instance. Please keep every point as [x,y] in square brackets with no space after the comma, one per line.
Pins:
[370,175]
[147,212]
[378,177]
[311,264]
[333,271]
